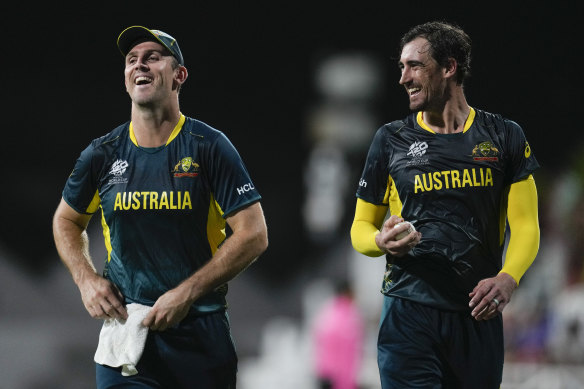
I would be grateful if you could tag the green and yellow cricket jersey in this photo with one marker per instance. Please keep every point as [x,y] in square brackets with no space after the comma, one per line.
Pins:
[453,188]
[163,209]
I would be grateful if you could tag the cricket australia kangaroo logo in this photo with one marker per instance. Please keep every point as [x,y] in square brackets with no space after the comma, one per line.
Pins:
[485,151]
[186,167]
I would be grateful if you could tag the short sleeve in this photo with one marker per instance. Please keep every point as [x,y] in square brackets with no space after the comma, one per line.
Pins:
[374,179]
[230,181]
[522,161]
[80,190]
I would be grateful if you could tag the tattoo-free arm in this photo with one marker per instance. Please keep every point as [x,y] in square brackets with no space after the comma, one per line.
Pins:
[247,242]
[101,298]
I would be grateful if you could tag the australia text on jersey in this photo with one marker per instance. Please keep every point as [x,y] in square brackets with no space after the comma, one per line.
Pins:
[451,179]
[136,200]
[126,201]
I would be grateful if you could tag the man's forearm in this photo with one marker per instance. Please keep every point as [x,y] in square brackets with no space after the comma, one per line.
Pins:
[72,245]
[247,242]
[237,252]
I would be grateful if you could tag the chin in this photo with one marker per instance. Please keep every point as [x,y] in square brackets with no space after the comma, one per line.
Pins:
[141,99]
[419,105]
[416,107]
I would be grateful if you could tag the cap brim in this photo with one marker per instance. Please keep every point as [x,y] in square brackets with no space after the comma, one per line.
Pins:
[133,34]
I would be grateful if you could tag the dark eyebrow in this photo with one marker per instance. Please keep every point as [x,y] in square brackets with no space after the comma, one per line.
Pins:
[411,63]
[148,52]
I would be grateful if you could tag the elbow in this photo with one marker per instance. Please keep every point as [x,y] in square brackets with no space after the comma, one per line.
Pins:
[537,236]
[363,239]
[357,239]
[263,242]
[354,238]
[529,234]
[260,242]
[358,244]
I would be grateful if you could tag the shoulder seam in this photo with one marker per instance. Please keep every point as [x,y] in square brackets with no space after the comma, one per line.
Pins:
[396,125]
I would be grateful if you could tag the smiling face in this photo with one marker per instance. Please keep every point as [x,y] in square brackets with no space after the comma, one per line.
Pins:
[149,74]
[424,80]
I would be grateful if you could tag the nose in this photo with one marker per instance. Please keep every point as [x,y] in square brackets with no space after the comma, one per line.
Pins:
[405,76]
[141,63]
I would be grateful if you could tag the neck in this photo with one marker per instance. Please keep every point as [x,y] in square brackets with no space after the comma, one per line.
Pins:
[152,127]
[451,117]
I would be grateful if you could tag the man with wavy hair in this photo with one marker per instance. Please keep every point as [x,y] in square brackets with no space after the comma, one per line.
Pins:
[460,176]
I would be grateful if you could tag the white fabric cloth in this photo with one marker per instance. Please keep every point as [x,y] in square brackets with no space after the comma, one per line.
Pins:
[121,342]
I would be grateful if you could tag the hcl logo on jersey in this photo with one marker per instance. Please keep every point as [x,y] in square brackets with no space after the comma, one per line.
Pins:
[245,188]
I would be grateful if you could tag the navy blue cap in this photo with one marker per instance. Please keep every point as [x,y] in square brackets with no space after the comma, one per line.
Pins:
[133,35]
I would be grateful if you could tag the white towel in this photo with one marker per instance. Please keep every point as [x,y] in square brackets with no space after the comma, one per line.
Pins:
[121,342]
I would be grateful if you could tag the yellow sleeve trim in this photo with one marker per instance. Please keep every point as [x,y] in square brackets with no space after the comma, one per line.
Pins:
[523,221]
[368,220]
[215,225]
[94,205]
[106,236]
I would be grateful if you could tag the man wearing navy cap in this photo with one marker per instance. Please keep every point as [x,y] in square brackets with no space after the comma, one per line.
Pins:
[165,185]
[131,36]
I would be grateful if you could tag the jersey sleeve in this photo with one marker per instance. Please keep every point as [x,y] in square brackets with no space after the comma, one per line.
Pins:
[524,224]
[522,160]
[80,190]
[373,185]
[366,224]
[230,181]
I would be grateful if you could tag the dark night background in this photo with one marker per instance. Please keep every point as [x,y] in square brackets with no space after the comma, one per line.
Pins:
[250,75]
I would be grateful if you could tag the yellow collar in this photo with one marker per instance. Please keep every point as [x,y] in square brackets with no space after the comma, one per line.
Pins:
[173,134]
[467,123]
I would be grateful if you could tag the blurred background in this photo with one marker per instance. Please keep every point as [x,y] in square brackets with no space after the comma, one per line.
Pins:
[300,91]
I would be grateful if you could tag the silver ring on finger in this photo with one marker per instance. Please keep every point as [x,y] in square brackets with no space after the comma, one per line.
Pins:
[497,302]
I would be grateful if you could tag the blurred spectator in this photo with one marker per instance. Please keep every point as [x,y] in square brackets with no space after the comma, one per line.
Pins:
[338,340]
[546,321]
[566,335]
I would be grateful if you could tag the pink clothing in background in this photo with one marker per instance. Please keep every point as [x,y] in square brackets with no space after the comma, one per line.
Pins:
[338,343]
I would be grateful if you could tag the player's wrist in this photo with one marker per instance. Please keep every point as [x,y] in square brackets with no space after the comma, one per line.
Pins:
[83,275]
[511,278]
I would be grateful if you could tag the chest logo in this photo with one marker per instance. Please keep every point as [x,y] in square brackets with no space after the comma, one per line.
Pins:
[117,170]
[417,149]
[485,151]
[186,167]
[118,167]
[416,153]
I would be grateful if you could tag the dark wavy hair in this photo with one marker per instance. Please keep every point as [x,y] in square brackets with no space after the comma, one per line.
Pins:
[447,40]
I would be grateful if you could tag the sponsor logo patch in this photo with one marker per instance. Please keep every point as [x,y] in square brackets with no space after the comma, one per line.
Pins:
[527,150]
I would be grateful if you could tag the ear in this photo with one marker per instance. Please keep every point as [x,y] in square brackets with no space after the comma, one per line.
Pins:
[180,75]
[451,67]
